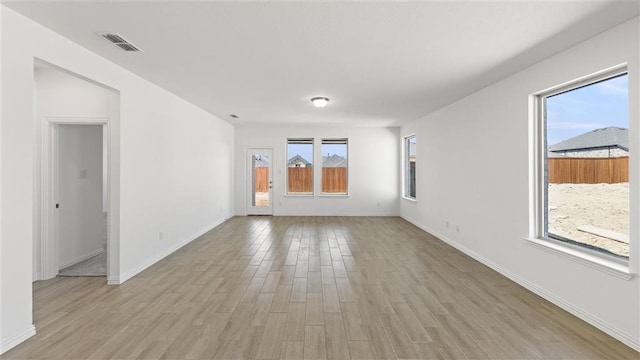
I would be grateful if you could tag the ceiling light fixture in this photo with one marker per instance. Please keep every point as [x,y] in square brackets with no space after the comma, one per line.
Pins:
[320,101]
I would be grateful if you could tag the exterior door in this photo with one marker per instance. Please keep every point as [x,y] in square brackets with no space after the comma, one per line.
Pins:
[259,182]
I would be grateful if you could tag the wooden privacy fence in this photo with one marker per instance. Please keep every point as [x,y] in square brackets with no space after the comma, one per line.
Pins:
[334,180]
[262,179]
[588,170]
[300,179]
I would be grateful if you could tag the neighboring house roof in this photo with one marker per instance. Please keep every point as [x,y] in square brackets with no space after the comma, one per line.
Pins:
[600,138]
[262,161]
[298,160]
[334,160]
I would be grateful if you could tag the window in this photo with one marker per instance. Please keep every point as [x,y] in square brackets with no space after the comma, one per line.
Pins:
[410,167]
[583,164]
[300,166]
[334,166]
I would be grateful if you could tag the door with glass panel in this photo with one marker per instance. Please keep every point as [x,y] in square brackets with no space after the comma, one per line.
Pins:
[259,182]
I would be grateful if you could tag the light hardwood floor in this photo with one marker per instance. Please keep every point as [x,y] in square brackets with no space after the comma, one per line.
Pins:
[308,288]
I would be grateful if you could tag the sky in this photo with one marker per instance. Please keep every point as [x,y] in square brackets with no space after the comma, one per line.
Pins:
[588,108]
[306,150]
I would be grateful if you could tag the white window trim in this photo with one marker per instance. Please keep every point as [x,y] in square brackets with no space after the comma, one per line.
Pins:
[326,194]
[592,259]
[405,170]
[286,171]
[615,266]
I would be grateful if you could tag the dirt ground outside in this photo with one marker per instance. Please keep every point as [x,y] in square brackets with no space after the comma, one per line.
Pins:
[262,199]
[602,205]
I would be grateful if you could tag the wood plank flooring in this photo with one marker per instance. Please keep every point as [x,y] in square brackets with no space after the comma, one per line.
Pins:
[308,288]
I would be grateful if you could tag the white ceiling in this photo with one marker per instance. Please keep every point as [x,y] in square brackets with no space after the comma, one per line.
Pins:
[380,63]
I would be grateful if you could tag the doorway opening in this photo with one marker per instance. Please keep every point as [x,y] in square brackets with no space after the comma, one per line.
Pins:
[81,209]
[74,231]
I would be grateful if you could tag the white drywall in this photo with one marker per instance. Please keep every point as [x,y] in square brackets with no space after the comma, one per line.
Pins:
[373,171]
[473,170]
[62,95]
[171,165]
[80,193]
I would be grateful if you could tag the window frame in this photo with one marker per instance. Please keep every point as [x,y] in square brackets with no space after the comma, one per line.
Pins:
[335,141]
[311,141]
[611,263]
[406,187]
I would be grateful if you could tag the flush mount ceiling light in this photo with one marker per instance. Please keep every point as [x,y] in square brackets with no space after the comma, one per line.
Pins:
[320,101]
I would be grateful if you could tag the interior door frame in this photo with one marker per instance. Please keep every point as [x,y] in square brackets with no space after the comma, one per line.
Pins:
[253,210]
[49,241]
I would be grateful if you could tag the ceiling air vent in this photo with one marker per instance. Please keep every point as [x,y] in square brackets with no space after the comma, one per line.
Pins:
[120,42]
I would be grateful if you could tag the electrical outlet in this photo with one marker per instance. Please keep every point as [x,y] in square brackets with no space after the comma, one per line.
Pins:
[446,223]
[160,235]
[457,228]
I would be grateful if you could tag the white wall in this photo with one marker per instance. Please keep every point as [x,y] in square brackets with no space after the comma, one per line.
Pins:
[80,193]
[60,94]
[473,171]
[6,341]
[373,170]
[176,179]
[171,165]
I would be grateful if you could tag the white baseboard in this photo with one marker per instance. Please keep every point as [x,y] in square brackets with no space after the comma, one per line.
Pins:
[338,213]
[117,280]
[623,337]
[333,213]
[81,258]
[12,341]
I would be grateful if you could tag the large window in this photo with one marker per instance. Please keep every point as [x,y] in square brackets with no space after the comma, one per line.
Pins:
[300,166]
[334,166]
[410,167]
[583,164]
